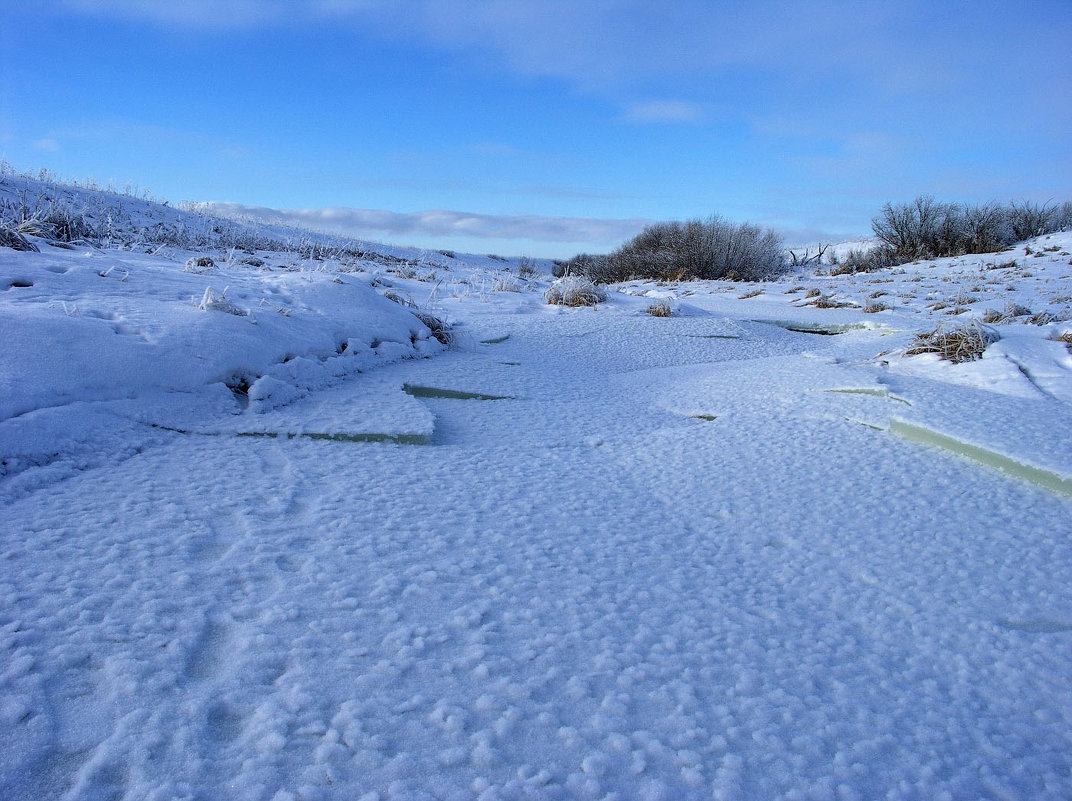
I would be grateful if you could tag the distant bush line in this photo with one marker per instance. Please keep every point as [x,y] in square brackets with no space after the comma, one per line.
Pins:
[928,229]
[698,249]
[714,248]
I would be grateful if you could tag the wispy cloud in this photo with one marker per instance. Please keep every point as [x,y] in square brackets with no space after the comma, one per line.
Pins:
[910,49]
[215,14]
[668,111]
[376,223]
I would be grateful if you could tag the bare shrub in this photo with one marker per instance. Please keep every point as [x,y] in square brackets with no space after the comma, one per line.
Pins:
[581,264]
[1029,220]
[986,228]
[697,249]
[960,344]
[799,259]
[574,290]
[858,260]
[1064,216]
[908,229]
[926,229]
[525,268]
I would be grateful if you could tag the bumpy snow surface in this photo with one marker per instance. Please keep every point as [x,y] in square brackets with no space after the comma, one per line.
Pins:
[667,563]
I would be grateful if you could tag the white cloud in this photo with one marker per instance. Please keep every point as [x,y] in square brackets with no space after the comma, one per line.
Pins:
[376,223]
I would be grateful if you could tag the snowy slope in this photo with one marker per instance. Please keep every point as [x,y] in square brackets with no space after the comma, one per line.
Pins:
[280,555]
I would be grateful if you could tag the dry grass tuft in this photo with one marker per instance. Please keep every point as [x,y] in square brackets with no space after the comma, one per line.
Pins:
[660,308]
[200,265]
[10,238]
[827,302]
[960,344]
[440,330]
[574,290]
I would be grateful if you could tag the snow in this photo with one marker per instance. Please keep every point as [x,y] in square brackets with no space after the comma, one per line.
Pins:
[677,557]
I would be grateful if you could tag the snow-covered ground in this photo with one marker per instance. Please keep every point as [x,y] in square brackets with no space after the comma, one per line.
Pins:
[249,551]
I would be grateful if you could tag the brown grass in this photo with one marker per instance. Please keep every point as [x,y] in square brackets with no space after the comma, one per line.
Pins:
[660,308]
[827,302]
[874,306]
[960,344]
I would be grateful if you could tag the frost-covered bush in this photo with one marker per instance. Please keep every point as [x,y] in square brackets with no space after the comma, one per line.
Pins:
[925,229]
[200,265]
[859,260]
[917,230]
[585,264]
[575,290]
[1029,220]
[1064,216]
[699,249]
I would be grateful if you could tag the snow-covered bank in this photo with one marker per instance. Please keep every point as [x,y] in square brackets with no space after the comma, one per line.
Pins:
[93,335]
[682,557]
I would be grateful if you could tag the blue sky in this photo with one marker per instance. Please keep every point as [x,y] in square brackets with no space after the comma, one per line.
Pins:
[543,127]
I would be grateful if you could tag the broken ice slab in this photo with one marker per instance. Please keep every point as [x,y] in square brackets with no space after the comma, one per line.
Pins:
[825,329]
[878,392]
[1047,479]
[398,439]
[418,391]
